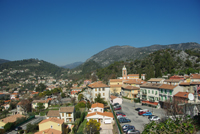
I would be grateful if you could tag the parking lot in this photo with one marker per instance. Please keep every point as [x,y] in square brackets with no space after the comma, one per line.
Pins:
[137,120]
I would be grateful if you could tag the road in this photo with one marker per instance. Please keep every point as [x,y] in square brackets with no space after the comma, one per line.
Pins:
[136,120]
[37,119]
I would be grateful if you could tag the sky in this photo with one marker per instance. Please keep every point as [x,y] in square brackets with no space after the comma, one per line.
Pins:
[66,31]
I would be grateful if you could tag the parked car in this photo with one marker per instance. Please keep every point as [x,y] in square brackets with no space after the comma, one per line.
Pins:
[138,109]
[115,104]
[141,112]
[119,113]
[124,120]
[147,114]
[154,118]
[18,128]
[133,131]
[118,108]
[128,128]
[122,114]
[125,126]
[150,116]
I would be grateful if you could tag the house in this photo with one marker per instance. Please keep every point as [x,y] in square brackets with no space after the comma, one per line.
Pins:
[115,99]
[35,103]
[156,80]
[97,113]
[13,96]
[126,76]
[115,86]
[173,81]
[87,82]
[98,88]
[195,78]
[176,77]
[51,126]
[6,106]
[11,119]
[130,91]
[23,107]
[134,82]
[64,113]
[75,90]
[181,97]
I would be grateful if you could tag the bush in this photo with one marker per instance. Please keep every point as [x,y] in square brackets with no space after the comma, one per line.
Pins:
[9,126]
[31,127]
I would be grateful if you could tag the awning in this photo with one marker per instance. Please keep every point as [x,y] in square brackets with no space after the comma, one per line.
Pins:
[150,103]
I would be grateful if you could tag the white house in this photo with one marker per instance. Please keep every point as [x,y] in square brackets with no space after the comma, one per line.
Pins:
[99,88]
[97,113]
[115,99]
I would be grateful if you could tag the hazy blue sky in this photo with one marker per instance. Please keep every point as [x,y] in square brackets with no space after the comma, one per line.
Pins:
[66,31]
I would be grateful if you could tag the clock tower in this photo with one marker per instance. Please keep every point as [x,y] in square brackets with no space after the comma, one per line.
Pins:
[124,73]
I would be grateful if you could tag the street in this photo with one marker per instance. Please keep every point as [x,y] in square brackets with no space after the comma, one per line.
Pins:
[136,120]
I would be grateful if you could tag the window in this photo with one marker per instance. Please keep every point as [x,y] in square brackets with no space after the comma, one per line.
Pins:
[165,91]
[95,109]
[156,92]
[99,89]
[95,89]
[62,114]
[69,115]
[152,92]
[95,94]
[51,126]
[103,94]
[170,92]
[161,90]
[103,89]
[149,91]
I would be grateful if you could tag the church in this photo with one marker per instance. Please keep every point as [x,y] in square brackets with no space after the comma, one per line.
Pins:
[128,85]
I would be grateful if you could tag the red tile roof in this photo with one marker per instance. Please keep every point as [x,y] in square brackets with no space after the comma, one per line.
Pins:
[131,87]
[151,103]
[56,120]
[135,81]
[116,80]
[49,131]
[109,114]
[182,94]
[97,84]
[166,86]
[97,105]
[12,118]
[184,84]
[195,76]
[113,97]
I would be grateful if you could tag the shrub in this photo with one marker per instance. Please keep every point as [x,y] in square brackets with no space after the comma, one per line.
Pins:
[9,126]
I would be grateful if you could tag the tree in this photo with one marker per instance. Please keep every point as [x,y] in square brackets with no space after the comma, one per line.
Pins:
[80,97]
[9,126]
[40,106]
[92,126]
[19,120]
[63,95]
[41,87]
[25,105]
[100,100]
[31,127]
[73,100]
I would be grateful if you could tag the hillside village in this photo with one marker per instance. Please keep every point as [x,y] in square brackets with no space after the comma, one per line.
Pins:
[65,103]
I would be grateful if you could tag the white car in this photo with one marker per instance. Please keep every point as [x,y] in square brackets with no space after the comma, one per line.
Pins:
[119,116]
[154,118]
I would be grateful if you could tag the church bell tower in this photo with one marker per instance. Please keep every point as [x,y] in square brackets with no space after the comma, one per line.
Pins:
[124,73]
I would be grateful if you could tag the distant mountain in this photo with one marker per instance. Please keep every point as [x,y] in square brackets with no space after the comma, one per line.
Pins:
[72,65]
[123,53]
[34,66]
[3,61]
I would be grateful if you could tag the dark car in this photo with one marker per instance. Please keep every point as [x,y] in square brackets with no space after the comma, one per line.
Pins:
[117,108]
[133,131]
[137,109]
[18,128]
[128,128]
[119,113]
[124,120]
[115,104]
[125,126]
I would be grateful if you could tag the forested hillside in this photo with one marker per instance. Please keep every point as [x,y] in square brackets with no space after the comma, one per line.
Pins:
[156,64]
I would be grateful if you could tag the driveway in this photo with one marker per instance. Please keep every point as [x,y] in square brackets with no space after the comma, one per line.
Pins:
[138,121]
[106,128]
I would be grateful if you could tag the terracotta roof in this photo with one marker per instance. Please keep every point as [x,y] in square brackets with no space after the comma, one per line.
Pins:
[40,101]
[172,80]
[116,80]
[116,85]
[35,93]
[49,99]
[109,114]
[12,118]
[49,131]
[131,87]
[66,109]
[78,88]
[135,75]
[195,83]
[195,76]
[155,79]
[56,120]
[23,102]
[135,81]
[113,97]
[184,84]
[150,85]
[151,103]
[166,86]
[97,105]
[7,101]
[97,84]
[53,113]
[182,94]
